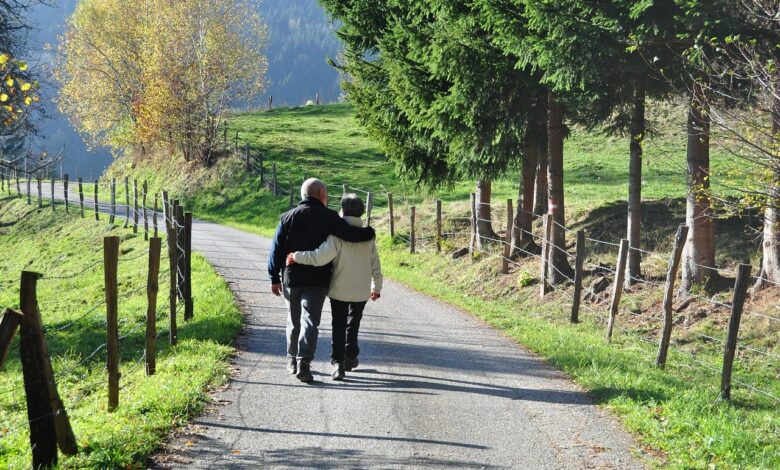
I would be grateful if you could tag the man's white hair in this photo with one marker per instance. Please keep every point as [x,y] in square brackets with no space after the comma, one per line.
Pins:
[312,188]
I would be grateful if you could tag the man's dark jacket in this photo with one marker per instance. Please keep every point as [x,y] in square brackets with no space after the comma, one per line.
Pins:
[303,229]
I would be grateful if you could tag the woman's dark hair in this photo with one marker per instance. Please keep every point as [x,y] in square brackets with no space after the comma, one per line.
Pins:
[351,205]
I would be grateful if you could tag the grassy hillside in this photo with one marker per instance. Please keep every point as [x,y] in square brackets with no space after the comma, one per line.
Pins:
[673,412]
[68,252]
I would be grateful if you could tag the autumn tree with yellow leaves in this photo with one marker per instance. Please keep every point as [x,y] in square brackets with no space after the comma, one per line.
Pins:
[160,74]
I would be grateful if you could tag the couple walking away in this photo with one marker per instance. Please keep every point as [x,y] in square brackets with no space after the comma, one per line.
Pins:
[314,254]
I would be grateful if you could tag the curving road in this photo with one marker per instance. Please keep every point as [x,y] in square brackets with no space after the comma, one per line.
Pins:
[436,388]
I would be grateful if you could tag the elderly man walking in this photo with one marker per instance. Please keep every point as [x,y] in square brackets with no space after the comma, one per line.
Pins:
[305,287]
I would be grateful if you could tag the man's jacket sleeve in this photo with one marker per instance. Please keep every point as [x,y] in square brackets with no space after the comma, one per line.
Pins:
[276,259]
[342,229]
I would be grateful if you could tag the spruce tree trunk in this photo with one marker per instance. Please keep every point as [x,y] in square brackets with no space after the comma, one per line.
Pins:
[521,232]
[484,224]
[540,192]
[633,267]
[770,263]
[560,268]
[698,266]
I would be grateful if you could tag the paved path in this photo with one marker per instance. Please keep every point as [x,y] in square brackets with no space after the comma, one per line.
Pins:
[436,388]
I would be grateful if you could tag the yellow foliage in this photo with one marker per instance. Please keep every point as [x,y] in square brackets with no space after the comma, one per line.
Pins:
[156,71]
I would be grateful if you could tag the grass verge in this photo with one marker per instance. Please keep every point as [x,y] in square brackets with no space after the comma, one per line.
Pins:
[674,413]
[68,252]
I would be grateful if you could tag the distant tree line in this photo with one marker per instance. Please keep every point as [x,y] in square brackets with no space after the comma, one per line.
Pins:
[474,88]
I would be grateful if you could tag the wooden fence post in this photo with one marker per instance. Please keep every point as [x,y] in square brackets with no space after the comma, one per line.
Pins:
[154,214]
[738,302]
[43,436]
[507,238]
[369,206]
[49,423]
[145,188]
[166,209]
[412,234]
[671,277]
[65,188]
[180,254]
[135,205]
[188,304]
[173,276]
[40,196]
[473,242]
[81,197]
[273,180]
[8,326]
[29,191]
[544,264]
[262,170]
[152,288]
[127,202]
[248,167]
[110,264]
[112,217]
[97,205]
[392,218]
[579,260]
[52,194]
[18,187]
[617,287]
[438,226]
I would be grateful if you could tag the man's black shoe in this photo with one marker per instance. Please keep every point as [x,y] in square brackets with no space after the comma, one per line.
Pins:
[292,366]
[338,371]
[304,372]
[350,364]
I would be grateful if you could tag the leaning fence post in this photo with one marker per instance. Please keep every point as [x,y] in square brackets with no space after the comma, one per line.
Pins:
[188,305]
[392,219]
[52,193]
[671,277]
[579,260]
[112,217]
[152,288]
[48,420]
[97,205]
[507,238]
[180,244]
[110,264]
[438,225]
[8,326]
[135,205]
[473,242]
[737,304]
[369,206]
[617,287]
[65,188]
[81,197]
[544,266]
[145,188]
[412,234]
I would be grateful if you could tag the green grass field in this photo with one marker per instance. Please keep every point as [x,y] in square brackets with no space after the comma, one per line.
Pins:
[674,413]
[67,250]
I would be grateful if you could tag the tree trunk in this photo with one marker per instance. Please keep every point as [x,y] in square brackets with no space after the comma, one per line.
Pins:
[560,268]
[541,196]
[521,232]
[633,267]
[484,224]
[699,255]
[770,263]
